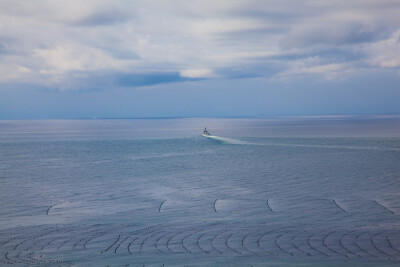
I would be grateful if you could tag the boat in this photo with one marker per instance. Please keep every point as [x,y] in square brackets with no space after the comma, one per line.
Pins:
[205,132]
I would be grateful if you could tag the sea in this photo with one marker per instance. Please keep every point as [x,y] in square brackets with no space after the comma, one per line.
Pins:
[279,191]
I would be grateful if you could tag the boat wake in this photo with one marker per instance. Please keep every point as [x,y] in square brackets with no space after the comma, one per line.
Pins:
[230,141]
[225,140]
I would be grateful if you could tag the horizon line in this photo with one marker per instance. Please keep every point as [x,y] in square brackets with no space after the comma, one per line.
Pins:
[389,115]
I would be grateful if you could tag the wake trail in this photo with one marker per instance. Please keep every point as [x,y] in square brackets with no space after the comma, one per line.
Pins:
[232,141]
[228,140]
[327,146]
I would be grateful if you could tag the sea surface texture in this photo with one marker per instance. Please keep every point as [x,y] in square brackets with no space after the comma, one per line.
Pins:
[154,192]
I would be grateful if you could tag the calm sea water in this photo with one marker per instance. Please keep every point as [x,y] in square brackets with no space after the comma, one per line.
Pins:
[153,192]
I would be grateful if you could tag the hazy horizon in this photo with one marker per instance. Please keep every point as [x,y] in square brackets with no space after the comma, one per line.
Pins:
[261,116]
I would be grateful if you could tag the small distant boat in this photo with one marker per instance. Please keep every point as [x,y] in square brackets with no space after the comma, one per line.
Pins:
[205,132]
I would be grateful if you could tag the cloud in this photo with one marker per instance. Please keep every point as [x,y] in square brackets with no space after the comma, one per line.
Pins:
[22,69]
[57,40]
[316,66]
[62,59]
[328,33]
[102,18]
[147,79]
[385,53]
[197,73]
[104,80]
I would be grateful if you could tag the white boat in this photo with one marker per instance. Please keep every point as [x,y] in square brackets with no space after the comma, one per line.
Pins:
[205,132]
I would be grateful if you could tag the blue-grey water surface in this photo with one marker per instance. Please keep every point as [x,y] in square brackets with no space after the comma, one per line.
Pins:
[153,192]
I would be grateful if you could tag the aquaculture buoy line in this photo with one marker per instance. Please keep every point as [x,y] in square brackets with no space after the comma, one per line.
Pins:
[337,205]
[52,205]
[269,207]
[379,204]
[267,203]
[212,239]
[159,208]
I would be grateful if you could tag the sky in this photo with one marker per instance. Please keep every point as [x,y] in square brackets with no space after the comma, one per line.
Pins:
[199,58]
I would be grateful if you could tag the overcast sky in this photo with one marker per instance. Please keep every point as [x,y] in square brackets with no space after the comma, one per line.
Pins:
[83,59]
